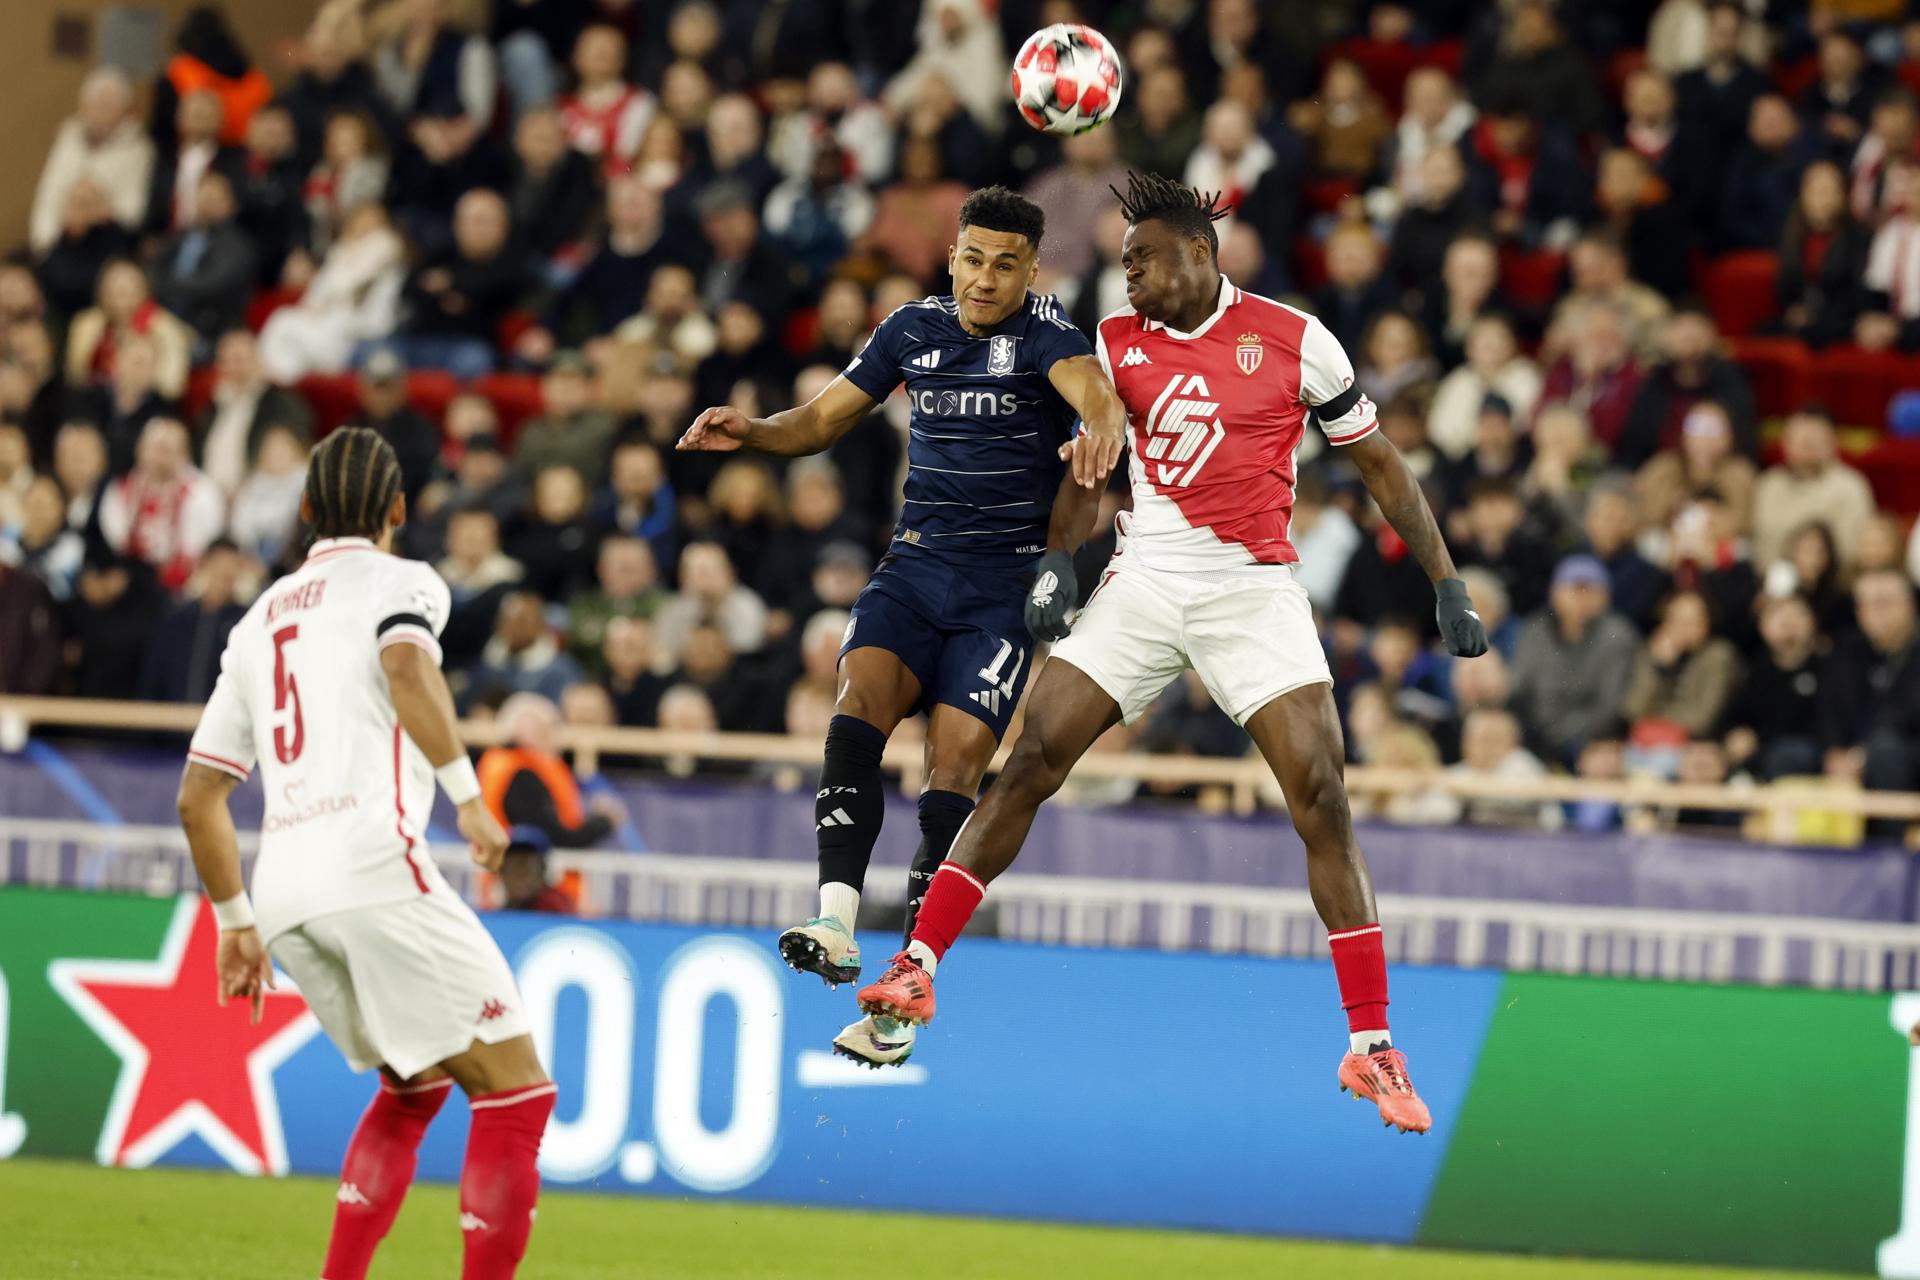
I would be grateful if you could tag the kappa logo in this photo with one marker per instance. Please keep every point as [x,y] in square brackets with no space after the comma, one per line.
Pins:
[927,360]
[1000,355]
[350,1194]
[470,1221]
[1134,356]
[492,1009]
[1183,430]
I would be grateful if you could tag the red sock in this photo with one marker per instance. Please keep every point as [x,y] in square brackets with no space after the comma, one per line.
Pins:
[952,897]
[377,1172]
[1360,965]
[499,1186]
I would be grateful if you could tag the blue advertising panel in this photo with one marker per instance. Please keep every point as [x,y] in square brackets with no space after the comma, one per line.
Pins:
[1156,1089]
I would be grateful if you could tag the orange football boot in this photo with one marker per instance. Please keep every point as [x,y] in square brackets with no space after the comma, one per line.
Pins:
[904,992]
[1381,1078]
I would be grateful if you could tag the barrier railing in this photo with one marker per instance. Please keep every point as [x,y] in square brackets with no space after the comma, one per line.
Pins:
[1246,780]
[1076,911]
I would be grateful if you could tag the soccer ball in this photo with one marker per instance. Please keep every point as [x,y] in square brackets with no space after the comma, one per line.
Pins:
[1066,79]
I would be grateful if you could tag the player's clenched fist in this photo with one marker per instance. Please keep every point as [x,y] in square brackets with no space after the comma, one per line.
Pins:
[720,429]
[1460,627]
[485,838]
[1054,592]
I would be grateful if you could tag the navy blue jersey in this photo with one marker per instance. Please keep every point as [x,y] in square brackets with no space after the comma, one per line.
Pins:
[982,468]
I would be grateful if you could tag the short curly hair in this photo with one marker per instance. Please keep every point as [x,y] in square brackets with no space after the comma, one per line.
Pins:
[999,209]
[1187,211]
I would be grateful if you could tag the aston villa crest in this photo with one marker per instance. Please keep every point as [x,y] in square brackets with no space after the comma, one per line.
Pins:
[1248,352]
[1000,355]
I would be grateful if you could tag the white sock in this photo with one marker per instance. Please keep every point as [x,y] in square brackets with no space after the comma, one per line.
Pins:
[923,953]
[842,901]
[1363,1041]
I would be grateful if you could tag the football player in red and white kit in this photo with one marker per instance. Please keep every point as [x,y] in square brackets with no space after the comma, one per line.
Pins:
[332,684]
[1219,386]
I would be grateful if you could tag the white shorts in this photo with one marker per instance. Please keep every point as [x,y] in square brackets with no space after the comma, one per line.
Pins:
[1247,630]
[405,984]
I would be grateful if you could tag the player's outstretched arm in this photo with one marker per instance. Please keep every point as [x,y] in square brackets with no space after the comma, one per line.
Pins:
[1093,455]
[1393,486]
[240,960]
[791,433]
[425,706]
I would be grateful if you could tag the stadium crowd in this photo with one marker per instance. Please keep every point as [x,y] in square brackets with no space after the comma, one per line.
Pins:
[526,242]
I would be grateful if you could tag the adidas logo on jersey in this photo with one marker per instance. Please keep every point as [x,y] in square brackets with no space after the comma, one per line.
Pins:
[988,698]
[838,818]
[1133,357]
[926,360]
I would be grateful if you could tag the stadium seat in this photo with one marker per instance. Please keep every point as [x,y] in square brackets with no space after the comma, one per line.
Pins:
[1531,277]
[1892,467]
[1620,69]
[513,326]
[1386,65]
[199,391]
[1739,289]
[1791,79]
[266,302]
[515,397]
[1780,369]
[1325,195]
[430,390]
[802,328]
[335,397]
[1309,264]
[1856,385]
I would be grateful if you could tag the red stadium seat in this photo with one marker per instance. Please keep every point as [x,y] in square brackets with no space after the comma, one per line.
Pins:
[1792,79]
[1325,195]
[1780,369]
[335,397]
[1892,467]
[802,328]
[268,301]
[515,397]
[1532,276]
[1309,264]
[199,391]
[1620,69]
[513,325]
[1387,65]
[1738,287]
[429,391]
[1856,385]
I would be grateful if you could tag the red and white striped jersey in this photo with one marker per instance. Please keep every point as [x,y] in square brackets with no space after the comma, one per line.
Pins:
[302,691]
[1216,417]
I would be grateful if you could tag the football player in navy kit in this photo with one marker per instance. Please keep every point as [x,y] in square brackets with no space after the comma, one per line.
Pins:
[1014,431]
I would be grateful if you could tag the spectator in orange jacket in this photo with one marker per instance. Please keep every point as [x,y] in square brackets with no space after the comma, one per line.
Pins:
[526,783]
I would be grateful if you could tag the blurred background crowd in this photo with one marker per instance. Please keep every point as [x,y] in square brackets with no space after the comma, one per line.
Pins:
[1599,262]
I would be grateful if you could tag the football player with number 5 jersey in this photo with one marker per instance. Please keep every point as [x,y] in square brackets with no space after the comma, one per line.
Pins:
[1220,388]
[331,683]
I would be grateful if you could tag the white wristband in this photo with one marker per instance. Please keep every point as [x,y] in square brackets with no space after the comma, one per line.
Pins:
[235,913]
[458,780]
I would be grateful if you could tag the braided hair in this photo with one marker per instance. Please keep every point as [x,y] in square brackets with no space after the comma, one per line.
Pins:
[352,480]
[1187,211]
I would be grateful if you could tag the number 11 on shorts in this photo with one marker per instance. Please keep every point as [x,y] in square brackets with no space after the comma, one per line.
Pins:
[997,688]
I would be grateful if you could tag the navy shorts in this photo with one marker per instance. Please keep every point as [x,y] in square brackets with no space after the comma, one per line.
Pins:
[961,630]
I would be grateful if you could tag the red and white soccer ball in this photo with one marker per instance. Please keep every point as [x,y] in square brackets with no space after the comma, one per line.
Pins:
[1066,79]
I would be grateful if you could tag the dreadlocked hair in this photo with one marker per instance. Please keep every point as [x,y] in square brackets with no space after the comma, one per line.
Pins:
[352,480]
[1187,211]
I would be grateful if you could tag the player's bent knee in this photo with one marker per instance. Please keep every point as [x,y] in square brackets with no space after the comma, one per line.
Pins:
[1035,770]
[492,1068]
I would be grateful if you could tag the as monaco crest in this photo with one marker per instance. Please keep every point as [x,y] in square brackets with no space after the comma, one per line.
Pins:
[1248,352]
[1000,355]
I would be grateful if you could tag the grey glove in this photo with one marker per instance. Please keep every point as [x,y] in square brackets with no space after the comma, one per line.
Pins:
[1460,627]
[1054,593]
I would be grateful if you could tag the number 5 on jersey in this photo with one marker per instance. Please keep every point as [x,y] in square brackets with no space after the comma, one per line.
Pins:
[289,726]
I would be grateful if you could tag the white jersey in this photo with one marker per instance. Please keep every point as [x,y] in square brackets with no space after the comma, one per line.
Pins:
[302,691]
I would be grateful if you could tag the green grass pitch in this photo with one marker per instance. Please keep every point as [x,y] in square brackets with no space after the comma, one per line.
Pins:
[61,1219]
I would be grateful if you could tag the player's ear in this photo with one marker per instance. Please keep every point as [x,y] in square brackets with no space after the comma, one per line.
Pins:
[306,508]
[397,513]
